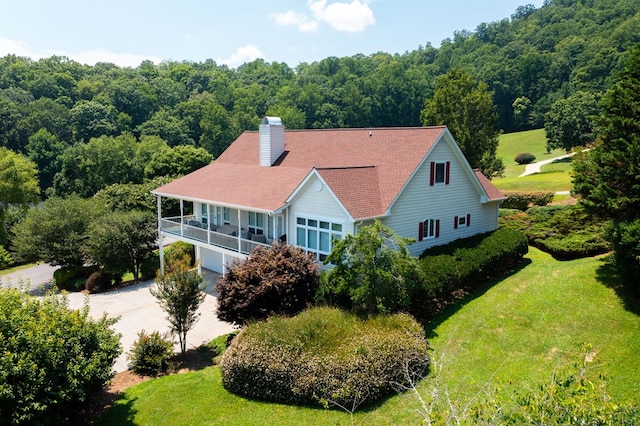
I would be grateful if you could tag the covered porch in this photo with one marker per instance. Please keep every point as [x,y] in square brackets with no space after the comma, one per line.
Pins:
[221,233]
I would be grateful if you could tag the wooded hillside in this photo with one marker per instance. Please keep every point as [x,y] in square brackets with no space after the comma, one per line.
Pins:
[529,61]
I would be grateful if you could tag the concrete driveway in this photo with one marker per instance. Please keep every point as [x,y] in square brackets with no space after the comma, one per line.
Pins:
[136,308]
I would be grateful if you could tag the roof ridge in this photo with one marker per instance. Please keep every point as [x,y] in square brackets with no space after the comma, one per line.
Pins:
[346,167]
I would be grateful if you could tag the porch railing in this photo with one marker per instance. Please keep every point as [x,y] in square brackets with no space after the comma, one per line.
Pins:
[181,227]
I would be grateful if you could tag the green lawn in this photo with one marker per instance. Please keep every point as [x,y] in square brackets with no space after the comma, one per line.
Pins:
[533,141]
[551,182]
[514,334]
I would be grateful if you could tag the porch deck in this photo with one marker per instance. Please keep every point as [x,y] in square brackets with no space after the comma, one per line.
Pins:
[230,239]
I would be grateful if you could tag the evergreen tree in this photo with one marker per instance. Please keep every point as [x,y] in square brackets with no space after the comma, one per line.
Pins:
[608,177]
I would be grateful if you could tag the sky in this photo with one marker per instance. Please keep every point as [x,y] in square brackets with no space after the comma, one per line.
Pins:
[126,32]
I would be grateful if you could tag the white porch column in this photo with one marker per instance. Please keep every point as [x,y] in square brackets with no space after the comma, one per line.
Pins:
[275,227]
[181,218]
[199,258]
[208,225]
[160,242]
[239,233]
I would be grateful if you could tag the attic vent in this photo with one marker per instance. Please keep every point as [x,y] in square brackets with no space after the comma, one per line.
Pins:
[271,140]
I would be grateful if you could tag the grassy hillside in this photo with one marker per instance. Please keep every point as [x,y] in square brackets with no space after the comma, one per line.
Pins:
[553,177]
[509,337]
[533,141]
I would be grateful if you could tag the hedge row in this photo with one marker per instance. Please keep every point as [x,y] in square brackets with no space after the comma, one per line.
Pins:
[565,232]
[524,200]
[325,357]
[454,270]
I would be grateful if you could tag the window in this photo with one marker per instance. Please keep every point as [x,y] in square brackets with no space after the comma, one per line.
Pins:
[226,215]
[430,228]
[316,236]
[440,173]
[256,223]
[463,220]
[205,213]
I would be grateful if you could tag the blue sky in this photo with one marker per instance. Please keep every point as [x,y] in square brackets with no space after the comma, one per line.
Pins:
[126,32]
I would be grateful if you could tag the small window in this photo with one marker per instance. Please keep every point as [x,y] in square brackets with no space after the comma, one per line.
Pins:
[464,220]
[428,229]
[439,173]
[440,167]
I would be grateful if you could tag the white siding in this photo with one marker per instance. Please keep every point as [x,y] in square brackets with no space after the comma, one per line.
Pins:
[217,261]
[314,204]
[420,201]
[211,260]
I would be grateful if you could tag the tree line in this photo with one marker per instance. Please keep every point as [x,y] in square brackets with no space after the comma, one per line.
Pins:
[529,62]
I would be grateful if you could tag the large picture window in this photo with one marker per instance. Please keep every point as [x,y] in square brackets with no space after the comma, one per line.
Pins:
[315,235]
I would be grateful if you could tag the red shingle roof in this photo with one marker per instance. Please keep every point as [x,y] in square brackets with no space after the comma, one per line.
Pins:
[365,168]
[493,193]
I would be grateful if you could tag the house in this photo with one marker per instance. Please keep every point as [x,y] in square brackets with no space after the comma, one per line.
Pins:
[308,187]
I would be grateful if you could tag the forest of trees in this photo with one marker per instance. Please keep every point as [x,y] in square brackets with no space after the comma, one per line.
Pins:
[65,116]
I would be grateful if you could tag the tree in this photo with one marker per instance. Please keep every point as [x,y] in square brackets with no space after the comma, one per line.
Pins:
[466,108]
[276,280]
[179,295]
[121,241]
[88,168]
[131,196]
[90,119]
[45,150]
[52,358]
[55,231]
[373,273]
[18,184]
[570,122]
[608,176]
[177,161]
[168,127]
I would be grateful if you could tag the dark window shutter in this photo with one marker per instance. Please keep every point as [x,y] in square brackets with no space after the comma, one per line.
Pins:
[420,231]
[447,168]
[437,228]
[455,222]
[433,173]
[468,219]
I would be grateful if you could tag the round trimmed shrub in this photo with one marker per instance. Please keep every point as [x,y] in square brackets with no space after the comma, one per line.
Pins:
[151,354]
[98,281]
[524,158]
[325,357]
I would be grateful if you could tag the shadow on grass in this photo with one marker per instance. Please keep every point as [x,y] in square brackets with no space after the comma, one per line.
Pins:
[121,413]
[433,323]
[627,290]
[563,160]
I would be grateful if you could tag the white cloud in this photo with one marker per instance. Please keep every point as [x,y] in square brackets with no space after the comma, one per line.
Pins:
[352,17]
[89,57]
[300,20]
[242,54]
